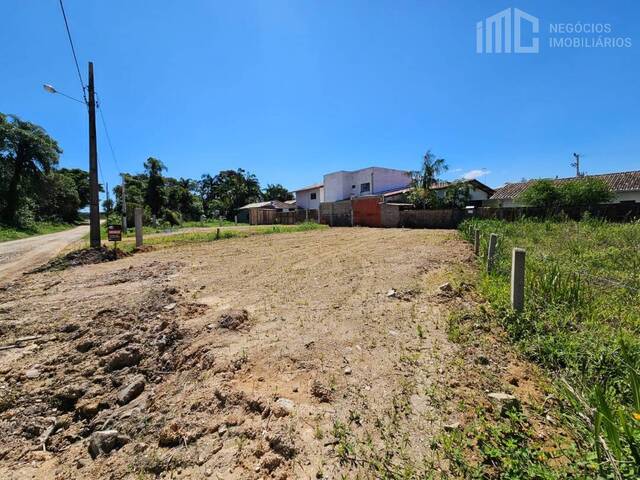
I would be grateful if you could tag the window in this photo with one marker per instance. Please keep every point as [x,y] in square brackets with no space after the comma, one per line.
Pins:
[353,186]
[365,187]
[313,196]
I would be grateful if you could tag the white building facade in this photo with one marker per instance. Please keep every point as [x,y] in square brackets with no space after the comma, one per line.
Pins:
[344,185]
[310,197]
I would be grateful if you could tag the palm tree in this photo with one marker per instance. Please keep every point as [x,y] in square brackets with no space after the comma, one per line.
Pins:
[27,152]
[429,171]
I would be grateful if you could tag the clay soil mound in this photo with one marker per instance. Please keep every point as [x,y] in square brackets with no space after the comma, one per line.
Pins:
[85,256]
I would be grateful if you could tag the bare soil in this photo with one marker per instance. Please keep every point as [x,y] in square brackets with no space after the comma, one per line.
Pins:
[304,355]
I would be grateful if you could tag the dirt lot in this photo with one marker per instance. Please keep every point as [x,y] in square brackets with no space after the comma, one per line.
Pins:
[340,364]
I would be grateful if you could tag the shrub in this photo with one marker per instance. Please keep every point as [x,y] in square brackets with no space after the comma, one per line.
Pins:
[584,192]
[542,194]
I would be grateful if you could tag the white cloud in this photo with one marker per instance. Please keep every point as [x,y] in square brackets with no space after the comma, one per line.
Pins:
[471,174]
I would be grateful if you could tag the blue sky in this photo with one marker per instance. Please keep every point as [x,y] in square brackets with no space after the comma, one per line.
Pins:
[293,90]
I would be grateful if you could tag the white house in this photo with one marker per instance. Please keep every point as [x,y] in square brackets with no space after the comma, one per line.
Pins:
[624,185]
[310,197]
[344,185]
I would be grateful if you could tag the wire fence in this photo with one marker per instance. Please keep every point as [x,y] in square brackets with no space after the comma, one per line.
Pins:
[554,275]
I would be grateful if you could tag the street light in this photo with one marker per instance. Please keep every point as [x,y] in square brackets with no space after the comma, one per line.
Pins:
[51,89]
[94,201]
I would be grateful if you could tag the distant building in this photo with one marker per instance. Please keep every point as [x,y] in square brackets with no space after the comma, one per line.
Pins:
[624,185]
[310,197]
[244,213]
[344,185]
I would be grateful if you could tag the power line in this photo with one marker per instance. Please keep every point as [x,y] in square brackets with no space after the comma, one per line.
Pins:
[73,50]
[106,131]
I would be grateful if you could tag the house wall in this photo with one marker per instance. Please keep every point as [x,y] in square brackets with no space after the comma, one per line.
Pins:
[390,215]
[343,185]
[627,196]
[303,198]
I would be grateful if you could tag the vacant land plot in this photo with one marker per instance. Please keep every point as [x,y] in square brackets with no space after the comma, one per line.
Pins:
[305,355]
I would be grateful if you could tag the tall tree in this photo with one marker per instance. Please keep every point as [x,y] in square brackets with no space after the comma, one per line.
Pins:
[155,195]
[277,192]
[421,194]
[81,179]
[229,190]
[429,171]
[27,153]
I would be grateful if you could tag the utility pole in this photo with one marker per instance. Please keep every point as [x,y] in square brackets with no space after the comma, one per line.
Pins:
[124,205]
[576,164]
[107,210]
[94,207]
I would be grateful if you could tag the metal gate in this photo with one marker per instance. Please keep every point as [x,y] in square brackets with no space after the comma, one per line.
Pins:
[367,212]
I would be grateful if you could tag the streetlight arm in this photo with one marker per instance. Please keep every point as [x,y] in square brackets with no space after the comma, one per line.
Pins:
[51,89]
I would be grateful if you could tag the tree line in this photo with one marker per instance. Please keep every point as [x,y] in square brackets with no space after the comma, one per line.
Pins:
[174,200]
[33,188]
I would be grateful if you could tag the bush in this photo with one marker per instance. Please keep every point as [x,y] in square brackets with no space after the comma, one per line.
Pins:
[584,192]
[172,217]
[542,194]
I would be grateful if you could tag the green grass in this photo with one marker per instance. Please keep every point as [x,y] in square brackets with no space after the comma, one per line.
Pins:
[40,228]
[582,311]
[187,238]
[131,233]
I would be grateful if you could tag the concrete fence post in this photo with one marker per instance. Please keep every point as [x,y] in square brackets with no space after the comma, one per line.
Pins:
[476,242]
[236,219]
[491,252]
[306,214]
[137,214]
[517,279]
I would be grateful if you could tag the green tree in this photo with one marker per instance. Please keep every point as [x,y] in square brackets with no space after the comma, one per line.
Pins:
[155,195]
[582,192]
[107,207]
[277,192]
[58,198]
[421,194]
[457,195]
[586,192]
[135,188]
[81,179]
[429,171]
[231,189]
[542,194]
[27,153]
[182,197]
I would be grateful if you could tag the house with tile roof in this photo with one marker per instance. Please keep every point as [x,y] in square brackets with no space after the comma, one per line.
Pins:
[624,185]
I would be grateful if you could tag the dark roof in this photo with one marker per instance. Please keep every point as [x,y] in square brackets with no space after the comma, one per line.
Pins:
[269,204]
[617,182]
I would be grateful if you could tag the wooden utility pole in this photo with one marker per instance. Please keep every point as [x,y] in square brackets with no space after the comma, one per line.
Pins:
[94,206]
[124,205]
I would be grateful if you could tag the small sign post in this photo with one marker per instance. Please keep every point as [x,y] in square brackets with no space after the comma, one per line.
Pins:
[114,234]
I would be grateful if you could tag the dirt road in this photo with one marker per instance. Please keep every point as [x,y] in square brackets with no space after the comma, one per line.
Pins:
[18,256]
[335,360]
